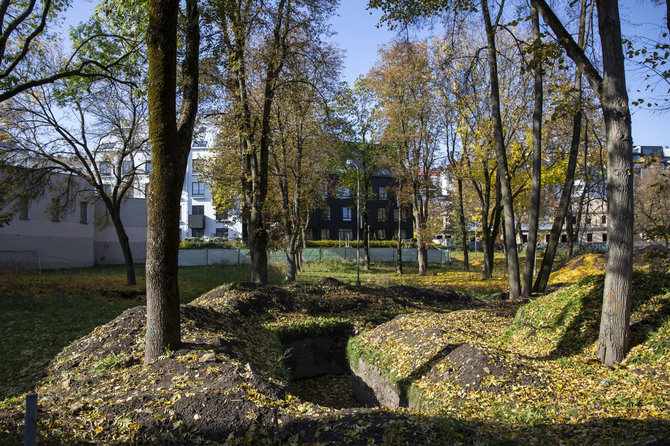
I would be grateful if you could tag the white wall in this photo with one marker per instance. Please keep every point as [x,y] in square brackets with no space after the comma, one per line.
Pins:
[107,249]
[63,244]
[70,243]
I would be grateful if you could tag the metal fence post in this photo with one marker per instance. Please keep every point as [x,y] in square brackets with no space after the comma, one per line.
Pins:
[30,438]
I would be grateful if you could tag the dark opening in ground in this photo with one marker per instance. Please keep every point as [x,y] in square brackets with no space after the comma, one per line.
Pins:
[320,371]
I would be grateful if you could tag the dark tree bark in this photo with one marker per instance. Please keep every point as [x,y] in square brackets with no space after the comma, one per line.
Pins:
[511,253]
[399,245]
[366,237]
[170,145]
[125,246]
[611,90]
[529,265]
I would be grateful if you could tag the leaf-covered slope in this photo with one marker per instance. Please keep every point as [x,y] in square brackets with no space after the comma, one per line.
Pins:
[537,375]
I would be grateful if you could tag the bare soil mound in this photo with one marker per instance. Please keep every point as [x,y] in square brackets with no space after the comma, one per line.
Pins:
[226,383]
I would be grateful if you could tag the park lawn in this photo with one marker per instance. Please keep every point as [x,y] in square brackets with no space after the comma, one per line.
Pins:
[450,275]
[41,313]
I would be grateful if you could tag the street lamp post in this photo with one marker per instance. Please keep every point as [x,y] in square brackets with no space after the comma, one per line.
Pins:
[358,219]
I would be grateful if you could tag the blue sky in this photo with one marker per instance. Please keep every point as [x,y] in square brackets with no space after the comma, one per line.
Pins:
[359,36]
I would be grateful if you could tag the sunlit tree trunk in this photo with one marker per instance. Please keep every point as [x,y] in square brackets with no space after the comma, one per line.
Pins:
[461,224]
[534,223]
[511,253]
[563,213]
[611,90]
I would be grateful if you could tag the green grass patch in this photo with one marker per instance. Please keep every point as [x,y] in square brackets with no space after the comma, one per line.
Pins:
[42,313]
[312,327]
[34,329]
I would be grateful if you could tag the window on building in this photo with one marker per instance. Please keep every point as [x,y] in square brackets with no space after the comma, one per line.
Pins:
[24,212]
[105,168]
[325,234]
[345,193]
[396,214]
[604,237]
[589,237]
[221,214]
[147,167]
[546,238]
[346,213]
[381,214]
[345,235]
[381,234]
[198,210]
[83,213]
[603,219]
[197,232]
[326,215]
[407,214]
[125,167]
[221,232]
[382,193]
[564,238]
[198,188]
[524,238]
[198,166]
[107,189]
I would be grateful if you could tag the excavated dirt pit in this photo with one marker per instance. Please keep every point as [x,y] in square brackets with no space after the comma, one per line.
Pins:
[320,372]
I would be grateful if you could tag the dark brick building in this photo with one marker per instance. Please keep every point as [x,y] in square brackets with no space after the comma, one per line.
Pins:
[338,221]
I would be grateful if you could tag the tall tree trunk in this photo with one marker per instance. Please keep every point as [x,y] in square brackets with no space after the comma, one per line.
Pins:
[399,245]
[487,247]
[461,224]
[125,246]
[563,213]
[511,254]
[611,90]
[421,249]
[170,145]
[258,242]
[529,265]
[291,262]
[366,237]
[615,318]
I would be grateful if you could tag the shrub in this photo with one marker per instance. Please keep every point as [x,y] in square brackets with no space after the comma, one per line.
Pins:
[373,244]
[210,245]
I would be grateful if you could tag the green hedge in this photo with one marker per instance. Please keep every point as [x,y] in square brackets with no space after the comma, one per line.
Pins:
[373,244]
[352,244]
[210,245]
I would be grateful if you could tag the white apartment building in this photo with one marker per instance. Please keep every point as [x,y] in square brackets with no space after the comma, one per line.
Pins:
[199,218]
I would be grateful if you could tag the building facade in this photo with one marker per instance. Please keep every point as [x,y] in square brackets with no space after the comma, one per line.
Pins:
[199,218]
[338,220]
[80,235]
